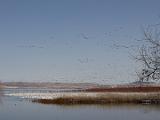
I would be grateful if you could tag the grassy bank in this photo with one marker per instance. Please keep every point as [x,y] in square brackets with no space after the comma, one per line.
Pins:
[104,98]
[143,88]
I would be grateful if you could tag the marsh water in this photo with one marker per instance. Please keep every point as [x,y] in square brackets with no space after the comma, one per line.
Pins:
[13,108]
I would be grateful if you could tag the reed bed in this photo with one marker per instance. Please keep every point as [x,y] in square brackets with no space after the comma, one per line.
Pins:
[103,98]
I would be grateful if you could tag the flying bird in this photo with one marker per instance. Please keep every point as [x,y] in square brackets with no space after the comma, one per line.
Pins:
[84,36]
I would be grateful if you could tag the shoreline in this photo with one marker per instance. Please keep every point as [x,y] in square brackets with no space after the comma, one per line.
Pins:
[88,94]
[69,98]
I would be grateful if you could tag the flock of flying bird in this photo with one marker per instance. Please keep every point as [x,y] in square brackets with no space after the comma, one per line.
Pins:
[83,36]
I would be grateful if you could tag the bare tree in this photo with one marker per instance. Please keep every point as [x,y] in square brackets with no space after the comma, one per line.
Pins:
[149,54]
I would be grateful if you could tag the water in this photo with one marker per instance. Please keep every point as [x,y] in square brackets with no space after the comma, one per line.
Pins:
[36,90]
[13,108]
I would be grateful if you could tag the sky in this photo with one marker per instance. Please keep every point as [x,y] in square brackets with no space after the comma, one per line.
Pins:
[72,40]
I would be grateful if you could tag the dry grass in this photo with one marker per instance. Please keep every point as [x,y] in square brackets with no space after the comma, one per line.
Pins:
[143,88]
[1,92]
[105,98]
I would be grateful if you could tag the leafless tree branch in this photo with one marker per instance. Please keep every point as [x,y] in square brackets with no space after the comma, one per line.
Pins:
[149,55]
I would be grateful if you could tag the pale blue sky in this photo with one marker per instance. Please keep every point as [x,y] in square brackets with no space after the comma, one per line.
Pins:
[72,40]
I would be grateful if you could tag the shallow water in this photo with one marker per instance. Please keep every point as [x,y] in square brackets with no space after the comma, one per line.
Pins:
[13,108]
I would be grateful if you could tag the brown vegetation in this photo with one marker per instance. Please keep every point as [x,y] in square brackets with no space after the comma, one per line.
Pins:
[1,92]
[126,89]
[105,98]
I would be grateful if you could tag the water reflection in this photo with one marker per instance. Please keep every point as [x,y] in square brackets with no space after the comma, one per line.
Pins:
[14,108]
[141,107]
